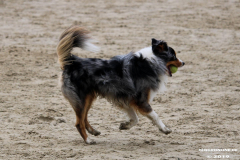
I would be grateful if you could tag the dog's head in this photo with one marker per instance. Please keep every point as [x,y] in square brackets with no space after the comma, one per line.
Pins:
[166,53]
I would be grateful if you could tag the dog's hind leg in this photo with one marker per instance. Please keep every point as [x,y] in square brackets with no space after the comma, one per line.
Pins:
[133,119]
[80,125]
[89,128]
[81,114]
[80,107]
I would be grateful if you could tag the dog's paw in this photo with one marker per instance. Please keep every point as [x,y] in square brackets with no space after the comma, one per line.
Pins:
[124,126]
[96,133]
[89,141]
[93,131]
[166,130]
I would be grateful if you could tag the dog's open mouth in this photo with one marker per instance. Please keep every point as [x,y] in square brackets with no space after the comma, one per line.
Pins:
[169,71]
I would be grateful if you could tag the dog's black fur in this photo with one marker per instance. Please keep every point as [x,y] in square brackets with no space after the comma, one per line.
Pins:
[121,77]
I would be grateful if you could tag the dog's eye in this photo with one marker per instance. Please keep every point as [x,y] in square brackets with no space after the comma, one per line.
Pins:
[172,59]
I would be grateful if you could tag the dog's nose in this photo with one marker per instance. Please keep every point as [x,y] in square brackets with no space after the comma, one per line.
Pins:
[183,63]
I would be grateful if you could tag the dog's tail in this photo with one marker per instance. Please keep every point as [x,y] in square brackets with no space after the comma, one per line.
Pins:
[73,37]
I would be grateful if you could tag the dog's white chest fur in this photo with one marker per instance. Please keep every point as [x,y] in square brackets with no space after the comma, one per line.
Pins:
[161,88]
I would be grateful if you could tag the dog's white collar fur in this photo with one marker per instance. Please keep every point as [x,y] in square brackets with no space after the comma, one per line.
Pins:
[161,88]
[146,53]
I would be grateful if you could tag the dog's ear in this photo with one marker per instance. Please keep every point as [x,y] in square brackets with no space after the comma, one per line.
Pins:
[159,45]
[155,43]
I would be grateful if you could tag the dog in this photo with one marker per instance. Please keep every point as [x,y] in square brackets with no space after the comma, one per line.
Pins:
[129,81]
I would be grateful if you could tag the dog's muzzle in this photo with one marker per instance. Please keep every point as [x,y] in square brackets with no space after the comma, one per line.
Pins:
[183,63]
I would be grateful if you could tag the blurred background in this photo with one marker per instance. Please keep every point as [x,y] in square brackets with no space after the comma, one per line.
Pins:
[201,106]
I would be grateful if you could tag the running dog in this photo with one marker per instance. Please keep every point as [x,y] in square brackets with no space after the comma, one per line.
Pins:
[129,81]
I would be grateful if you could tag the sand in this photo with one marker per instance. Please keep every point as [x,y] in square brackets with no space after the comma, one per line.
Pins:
[201,106]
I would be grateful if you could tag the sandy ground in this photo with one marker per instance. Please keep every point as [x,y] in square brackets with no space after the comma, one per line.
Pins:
[201,106]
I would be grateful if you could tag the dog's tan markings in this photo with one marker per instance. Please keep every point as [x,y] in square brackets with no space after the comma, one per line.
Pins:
[73,29]
[81,115]
[89,128]
[148,95]
[71,37]
[143,108]
[161,47]
[80,125]
[176,63]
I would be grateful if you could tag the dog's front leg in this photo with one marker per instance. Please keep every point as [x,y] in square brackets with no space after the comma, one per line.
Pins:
[133,119]
[157,121]
[145,109]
